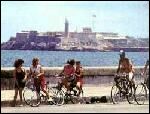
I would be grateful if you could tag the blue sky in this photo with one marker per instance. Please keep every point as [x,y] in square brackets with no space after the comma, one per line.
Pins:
[126,18]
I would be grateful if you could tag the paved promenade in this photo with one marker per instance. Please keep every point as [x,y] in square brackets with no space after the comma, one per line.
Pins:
[88,92]
[80,108]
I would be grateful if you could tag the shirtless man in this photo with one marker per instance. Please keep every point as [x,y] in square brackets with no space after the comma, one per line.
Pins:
[125,66]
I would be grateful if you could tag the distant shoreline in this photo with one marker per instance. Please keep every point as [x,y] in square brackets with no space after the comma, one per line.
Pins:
[91,50]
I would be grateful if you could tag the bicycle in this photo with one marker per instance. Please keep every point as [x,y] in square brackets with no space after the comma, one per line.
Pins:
[122,89]
[34,99]
[141,91]
[74,92]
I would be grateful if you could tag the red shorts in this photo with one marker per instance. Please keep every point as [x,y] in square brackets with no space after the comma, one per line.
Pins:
[40,82]
[80,80]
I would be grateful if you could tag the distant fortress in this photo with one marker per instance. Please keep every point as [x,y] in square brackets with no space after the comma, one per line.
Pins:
[75,41]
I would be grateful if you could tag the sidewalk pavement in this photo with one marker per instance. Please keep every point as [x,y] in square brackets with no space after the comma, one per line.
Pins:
[89,91]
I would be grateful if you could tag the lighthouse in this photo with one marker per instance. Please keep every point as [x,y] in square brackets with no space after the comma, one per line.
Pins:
[66,28]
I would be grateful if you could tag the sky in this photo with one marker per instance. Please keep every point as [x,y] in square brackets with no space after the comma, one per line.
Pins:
[123,17]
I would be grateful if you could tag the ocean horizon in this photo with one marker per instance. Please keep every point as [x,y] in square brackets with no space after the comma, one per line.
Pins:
[59,58]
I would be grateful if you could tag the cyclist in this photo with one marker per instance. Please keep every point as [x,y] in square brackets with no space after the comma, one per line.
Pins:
[125,66]
[79,76]
[37,73]
[68,73]
[20,76]
[145,71]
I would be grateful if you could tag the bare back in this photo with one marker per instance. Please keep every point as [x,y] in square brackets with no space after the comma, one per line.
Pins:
[125,65]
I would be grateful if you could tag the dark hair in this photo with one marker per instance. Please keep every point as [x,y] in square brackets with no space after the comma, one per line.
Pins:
[71,62]
[122,53]
[34,61]
[78,62]
[18,62]
[68,61]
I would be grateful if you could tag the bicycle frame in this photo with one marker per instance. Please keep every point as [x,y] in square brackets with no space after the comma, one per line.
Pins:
[61,87]
[124,87]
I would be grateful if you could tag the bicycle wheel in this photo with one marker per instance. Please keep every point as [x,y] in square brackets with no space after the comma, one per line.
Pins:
[56,95]
[140,94]
[81,97]
[69,98]
[31,97]
[147,82]
[74,97]
[26,92]
[130,94]
[116,95]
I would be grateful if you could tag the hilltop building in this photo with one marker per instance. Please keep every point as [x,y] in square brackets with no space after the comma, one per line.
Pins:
[65,40]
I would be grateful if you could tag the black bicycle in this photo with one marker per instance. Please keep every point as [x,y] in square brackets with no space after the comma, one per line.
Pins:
[74,96]
[122,89]
[142,91]
[34,99]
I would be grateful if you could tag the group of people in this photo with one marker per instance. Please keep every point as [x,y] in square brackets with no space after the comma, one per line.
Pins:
[71,69]
[70,73]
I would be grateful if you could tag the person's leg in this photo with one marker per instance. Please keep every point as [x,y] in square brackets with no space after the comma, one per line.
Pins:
[79,87]
[43,88]
[37,86]
[60,85]
[64,82]
[131,80]
[20,94]
[67,85]
[15,97]
[117,79]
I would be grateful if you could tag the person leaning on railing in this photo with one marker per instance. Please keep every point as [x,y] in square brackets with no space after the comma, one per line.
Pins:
[37,72]
[20,76]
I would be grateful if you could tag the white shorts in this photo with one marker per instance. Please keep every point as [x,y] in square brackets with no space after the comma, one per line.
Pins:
[130,75]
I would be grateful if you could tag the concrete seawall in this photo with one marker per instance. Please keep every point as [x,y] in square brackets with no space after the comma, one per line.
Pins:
[92,76]
[87,71]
